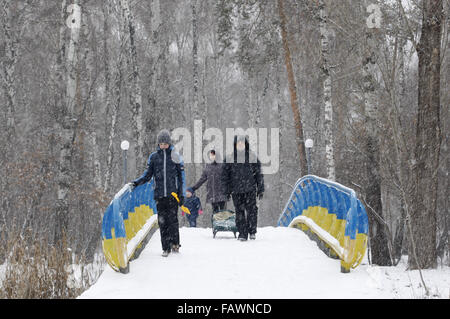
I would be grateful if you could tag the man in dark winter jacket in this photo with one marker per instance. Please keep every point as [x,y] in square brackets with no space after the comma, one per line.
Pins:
[244,182]
[215,187]
[166,167]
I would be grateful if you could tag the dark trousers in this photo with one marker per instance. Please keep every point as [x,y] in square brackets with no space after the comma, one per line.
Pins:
[246,223]
[192,220]
[167,208]
[218,206]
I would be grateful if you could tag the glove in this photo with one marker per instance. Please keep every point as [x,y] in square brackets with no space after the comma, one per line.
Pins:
[200,212]
[181,202]
[260,196]
[182,213]
[131,186]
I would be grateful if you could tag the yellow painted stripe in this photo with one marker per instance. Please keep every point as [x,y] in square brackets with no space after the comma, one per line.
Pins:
[139,245]
[314,213]
[360,249]
[137,219]
[299,224]
[306,212]
[131,225]
[321,216]
[128,226]
[328,221]
[351,252]
[340,231]
[115,251]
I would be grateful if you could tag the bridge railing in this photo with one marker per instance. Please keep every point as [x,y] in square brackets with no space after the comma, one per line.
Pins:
[333,214]
[127,225]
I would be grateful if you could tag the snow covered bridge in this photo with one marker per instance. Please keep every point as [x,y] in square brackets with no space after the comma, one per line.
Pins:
[281,260]
[280,263]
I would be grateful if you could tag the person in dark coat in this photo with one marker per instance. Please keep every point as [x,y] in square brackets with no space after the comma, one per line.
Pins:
[166,167]
[244,181]
[194,205]
[213,176]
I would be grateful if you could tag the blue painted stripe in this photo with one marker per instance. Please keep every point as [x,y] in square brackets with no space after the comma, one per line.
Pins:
[120,207]
[313,191]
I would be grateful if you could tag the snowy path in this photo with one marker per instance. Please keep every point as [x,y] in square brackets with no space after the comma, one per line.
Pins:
[281,263]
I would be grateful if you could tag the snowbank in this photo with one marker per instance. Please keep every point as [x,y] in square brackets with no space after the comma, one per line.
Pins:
[281,263]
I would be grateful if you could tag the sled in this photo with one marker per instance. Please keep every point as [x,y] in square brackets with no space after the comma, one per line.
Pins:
[223,221]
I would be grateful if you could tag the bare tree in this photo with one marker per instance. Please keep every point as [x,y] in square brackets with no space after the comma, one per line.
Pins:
[12,26]
[67,65]
[293,91]
[428,138]
[135,92]
[195,81]
[113,87]
[327,104]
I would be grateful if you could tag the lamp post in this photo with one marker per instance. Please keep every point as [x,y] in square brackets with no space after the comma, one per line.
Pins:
[125,145]
[309,143]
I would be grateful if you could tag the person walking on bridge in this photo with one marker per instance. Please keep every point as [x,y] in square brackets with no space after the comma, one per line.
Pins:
[213,176]
[244,182]
[166,167]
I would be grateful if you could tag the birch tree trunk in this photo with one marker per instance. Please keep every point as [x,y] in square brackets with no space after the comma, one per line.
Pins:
[60,78]
[96,161]
[156,24]
[72,58]
[195,104]
[157,60]
[204,97]
[428,139]
[9,63]
[293,91]
[249,99]
[377,232]
[113,107]
[110,124]
[68,69]
[279,111]
[135,93]
[195,109]
[181,40]
[328,107]
[85,137]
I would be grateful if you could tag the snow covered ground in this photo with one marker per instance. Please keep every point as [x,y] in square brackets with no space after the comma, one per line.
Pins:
[281,263]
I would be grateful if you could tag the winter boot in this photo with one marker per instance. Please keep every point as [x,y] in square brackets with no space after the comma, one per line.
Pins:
[176,248]
[165,253]
[252,236]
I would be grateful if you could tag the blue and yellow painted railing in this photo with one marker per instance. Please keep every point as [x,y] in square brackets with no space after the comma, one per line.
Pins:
[127,224]
[331,212]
